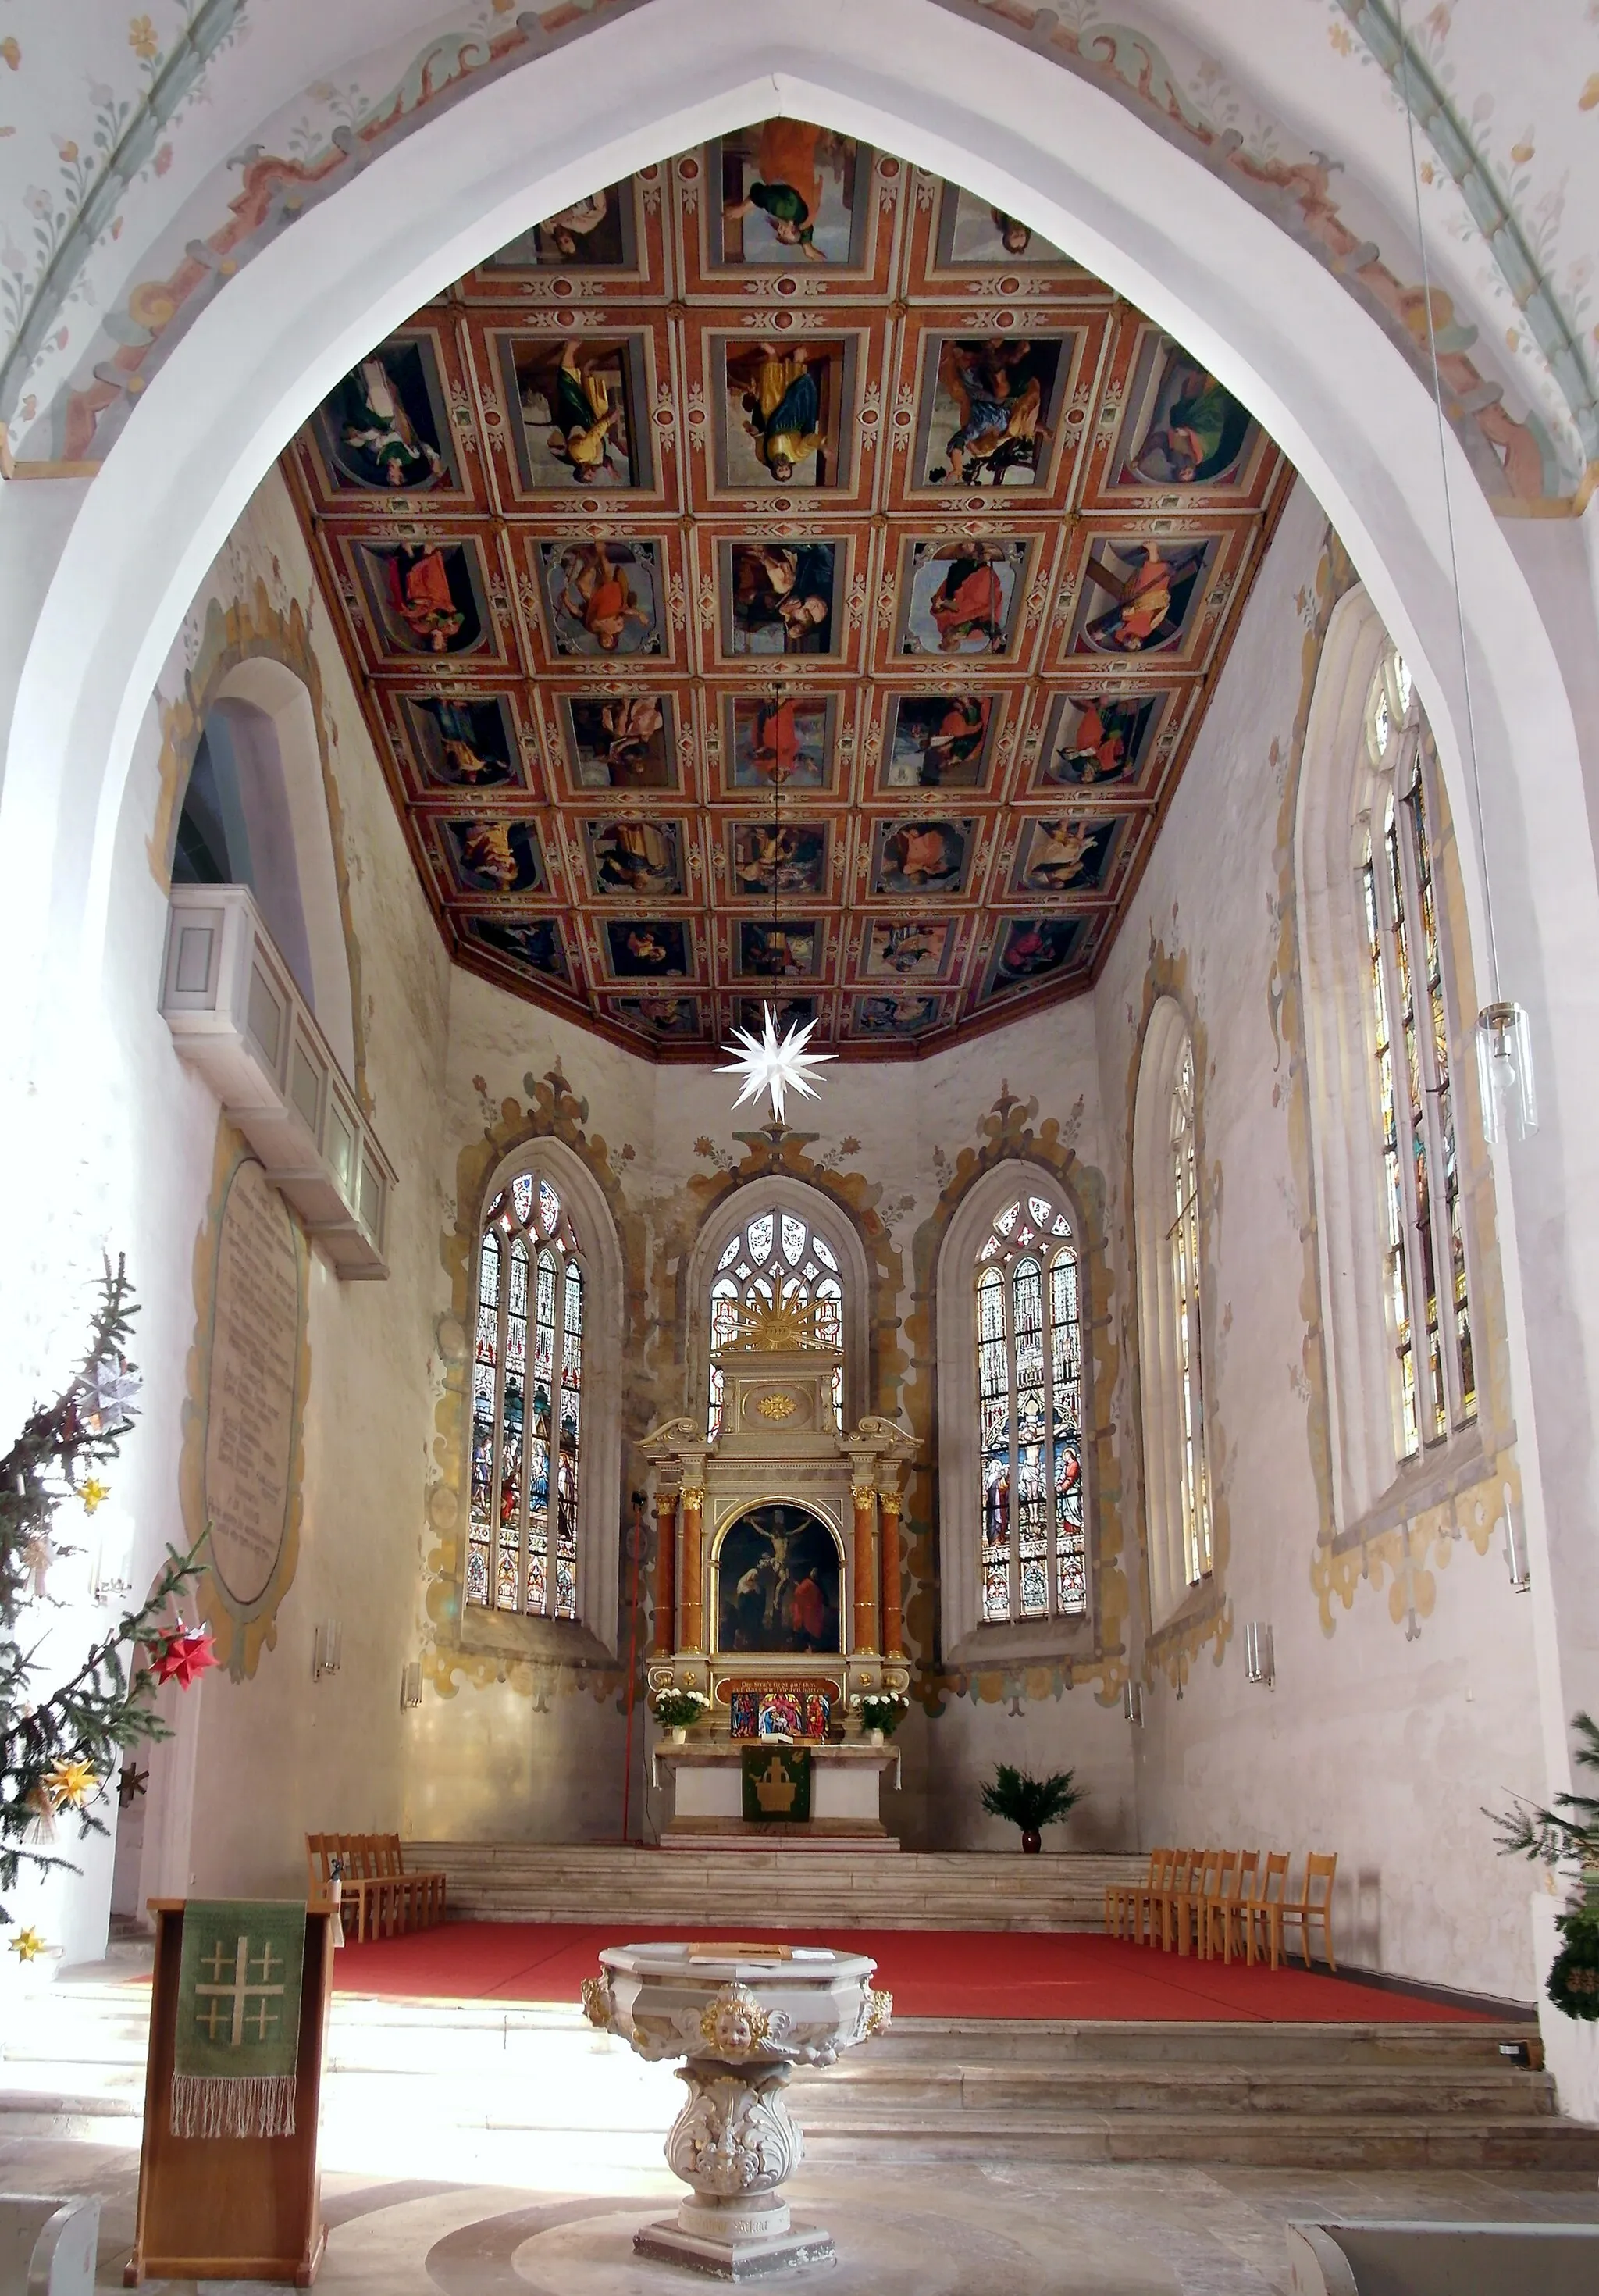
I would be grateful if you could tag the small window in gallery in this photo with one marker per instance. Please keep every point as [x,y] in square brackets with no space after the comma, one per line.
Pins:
[777,1259]
[1422,1230]
[1027,1333]
[1182,1245]
[527,1423]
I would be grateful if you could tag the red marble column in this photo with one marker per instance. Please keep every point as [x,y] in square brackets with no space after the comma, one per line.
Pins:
[691,1631]
[863,1623]
[893,1617]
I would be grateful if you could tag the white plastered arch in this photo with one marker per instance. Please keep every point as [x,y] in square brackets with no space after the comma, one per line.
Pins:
[947,93]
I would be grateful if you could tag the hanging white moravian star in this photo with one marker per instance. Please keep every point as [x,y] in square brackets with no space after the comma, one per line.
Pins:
[770,1065]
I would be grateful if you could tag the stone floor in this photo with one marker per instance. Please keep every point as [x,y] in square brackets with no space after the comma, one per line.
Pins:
[976,2230]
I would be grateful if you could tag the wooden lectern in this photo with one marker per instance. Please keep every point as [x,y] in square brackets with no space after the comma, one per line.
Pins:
[231,2207]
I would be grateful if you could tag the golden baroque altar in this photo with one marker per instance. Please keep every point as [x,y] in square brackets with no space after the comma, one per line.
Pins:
[778,1582]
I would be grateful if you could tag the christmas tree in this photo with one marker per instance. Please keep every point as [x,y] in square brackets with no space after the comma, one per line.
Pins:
[58,1750]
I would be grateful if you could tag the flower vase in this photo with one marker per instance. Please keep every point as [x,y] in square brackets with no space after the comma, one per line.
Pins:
[1031,1842]
[678,1734]
[874,1737]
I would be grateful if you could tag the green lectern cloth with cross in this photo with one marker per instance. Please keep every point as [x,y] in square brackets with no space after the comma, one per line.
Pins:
[237,2043]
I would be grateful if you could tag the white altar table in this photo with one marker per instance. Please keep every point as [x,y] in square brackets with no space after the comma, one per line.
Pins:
[707,1783]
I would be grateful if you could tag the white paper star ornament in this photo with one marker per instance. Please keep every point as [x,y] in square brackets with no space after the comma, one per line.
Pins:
[770,1065]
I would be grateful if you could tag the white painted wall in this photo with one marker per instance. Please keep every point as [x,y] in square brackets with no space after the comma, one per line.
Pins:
[1378,1745]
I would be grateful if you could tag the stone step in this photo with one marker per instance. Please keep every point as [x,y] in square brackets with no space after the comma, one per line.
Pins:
[534,1882]
[1271,2141]
[530,2079]
[1053,2041]
[859,2088]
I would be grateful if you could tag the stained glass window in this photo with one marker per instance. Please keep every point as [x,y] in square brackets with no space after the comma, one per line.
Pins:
[527,1407]
[1032,1557]
[1182,1245]
[777,1259]
[1425,1284]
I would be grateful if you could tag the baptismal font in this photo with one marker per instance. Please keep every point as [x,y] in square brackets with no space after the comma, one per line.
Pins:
[742,2017]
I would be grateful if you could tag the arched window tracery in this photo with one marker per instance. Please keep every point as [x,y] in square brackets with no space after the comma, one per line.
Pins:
[527,1405]
[777,1257]
[1032,1556]
[1425,1285]
[1182,1245]
[1168,1226]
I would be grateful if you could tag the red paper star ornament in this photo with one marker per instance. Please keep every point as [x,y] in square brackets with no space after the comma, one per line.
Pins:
[182,1656]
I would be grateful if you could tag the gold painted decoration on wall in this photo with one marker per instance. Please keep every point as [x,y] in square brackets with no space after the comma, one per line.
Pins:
[776,1407]
[243,1455]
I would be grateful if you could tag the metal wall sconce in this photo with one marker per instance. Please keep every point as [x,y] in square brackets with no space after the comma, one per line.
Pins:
[1131,1702]
[411,1683]
[1260,1663]
[327,1648]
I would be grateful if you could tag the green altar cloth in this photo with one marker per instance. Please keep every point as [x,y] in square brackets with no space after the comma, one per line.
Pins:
[237,2043]
[776,1785]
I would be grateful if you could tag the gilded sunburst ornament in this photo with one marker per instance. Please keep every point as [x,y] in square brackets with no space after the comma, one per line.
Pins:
[772,1064]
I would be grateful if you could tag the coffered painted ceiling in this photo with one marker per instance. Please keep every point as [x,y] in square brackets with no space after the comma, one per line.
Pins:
[782,576]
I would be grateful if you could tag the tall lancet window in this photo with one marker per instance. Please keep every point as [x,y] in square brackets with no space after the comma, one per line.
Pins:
[1422,1234]
[1031,1554]
[777,1259]
[527,1425]
[1183,1249]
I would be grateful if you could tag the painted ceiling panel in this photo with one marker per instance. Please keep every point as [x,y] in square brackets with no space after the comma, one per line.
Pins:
[781,575]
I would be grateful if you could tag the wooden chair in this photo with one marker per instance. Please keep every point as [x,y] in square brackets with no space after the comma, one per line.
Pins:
[1263,1931]
[374,1886]
[1164,1901]
[1312,1904]
[1228,1913]
[1119,1896]
[1146,1900]
[1218,1888]
[1187,1908]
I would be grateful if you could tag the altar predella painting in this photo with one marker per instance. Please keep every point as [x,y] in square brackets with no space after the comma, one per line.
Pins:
[781,572]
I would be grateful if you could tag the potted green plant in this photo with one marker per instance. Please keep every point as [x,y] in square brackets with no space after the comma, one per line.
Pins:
[880,1712]
[1029,1803]
[1567,1835]
[677,1709]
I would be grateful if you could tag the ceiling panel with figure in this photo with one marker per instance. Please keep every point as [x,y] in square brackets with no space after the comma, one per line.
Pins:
[783,576]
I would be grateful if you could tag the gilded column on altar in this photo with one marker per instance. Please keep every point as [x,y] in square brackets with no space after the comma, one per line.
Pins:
[666,1572]
[862,1625]
[692,1633]
[893,1617]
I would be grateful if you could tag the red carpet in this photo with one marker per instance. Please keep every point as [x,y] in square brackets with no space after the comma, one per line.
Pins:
[929,1973]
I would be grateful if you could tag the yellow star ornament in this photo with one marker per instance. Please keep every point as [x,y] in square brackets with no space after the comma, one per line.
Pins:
[93,1494]
[68,1782]
[28,1945]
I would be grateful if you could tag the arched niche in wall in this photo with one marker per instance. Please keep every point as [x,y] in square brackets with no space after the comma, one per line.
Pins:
[777,1194]
[255,812]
